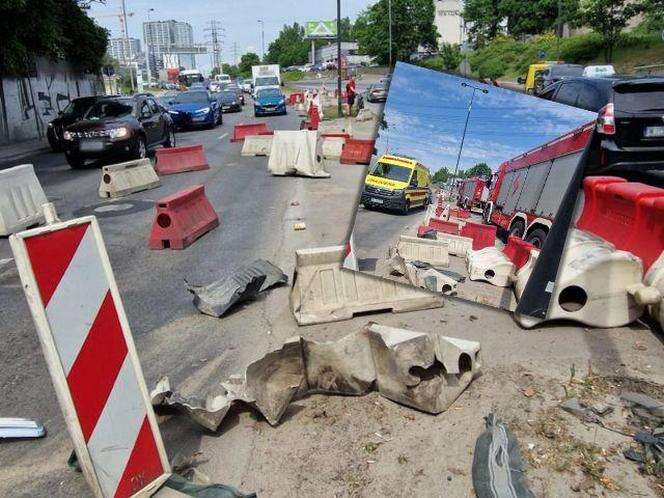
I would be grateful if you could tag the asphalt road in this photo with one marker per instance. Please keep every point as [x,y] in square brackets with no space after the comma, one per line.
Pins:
[319,449]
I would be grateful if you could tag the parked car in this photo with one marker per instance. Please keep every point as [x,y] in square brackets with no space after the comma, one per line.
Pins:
[195,108]
[229,101]
[269,101]
[377,92]
[630,117]
[556,72]
[69,115]
[119,126]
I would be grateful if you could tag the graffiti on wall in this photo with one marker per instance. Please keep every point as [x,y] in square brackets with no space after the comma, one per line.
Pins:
[46,99]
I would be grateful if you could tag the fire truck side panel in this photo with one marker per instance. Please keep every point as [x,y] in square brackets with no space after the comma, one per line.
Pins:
[468,190]
[504,190]
[515,188]
[557,182]
[535,180]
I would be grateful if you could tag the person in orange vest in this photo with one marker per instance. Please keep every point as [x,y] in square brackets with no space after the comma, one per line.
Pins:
[350,93]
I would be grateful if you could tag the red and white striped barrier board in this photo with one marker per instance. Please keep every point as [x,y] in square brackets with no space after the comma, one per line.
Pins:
[91,357]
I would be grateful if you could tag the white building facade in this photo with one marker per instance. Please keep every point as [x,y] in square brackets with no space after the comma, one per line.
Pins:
[449,21]
[123,49]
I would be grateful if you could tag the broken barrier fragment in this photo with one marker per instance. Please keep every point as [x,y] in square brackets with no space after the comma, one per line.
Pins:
[243,284]
[256,145]
[427,372]
[295,153]
[119,180]
[21,199]
[423,275]
[323,292]
[20,428]
[433,252]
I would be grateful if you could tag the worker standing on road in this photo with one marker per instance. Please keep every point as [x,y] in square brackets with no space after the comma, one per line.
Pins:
[350,93]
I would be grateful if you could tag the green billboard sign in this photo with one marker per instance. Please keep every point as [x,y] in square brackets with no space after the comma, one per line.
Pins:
[320,29]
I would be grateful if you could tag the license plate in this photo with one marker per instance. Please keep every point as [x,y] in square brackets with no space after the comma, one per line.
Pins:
[376,201]
[654,132]
[91,146]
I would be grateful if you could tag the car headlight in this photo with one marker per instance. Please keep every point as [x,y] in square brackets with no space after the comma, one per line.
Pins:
[50,125]
[173,112]
[116,133]
[203,111]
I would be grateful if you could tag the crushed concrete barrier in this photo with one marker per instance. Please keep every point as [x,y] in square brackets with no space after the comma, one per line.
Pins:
[592,286]
[434,252]
[427,372]
[256,145]
[119,180]
[295,153]
[323,292]
[456,244]
[21,199]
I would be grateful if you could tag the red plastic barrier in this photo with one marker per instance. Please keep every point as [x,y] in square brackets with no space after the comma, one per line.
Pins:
[295,98]
[444,226]
[459,213]
[182,218]
[439,210]
[357,151]
[242,130]
[518,251]
[629,215]
[335,135]
[482,235]
[425,231]
[180,159]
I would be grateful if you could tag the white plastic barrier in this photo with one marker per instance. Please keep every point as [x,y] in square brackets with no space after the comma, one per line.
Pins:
[257,145]
[651,293]
[118,180]
[429,251]
[21,199]
[333,147]
[490,265]
[295,153]
[593,284]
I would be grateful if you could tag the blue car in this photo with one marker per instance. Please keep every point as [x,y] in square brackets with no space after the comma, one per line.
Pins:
[269,101]
[195,108]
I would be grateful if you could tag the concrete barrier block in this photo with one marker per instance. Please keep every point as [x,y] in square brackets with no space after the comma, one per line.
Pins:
[21,199]
[118,180]
[456,244]
[429,251]
[257,145]
[323,292]
[490,265]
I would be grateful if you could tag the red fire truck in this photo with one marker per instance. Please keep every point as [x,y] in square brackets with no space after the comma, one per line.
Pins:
[527,190]
[473,193]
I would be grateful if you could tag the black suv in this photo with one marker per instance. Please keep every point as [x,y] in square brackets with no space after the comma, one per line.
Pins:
[120,126]
[630,117]
[74,111]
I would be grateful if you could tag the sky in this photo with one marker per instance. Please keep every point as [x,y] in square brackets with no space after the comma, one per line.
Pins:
[238,17]
[426,111]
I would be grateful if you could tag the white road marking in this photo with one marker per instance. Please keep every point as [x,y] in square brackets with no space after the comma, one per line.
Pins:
[223,136]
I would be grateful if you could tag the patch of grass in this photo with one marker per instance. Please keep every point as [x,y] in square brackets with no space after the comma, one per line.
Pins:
[292,76]
[332,112]
[371,447]
[402,459]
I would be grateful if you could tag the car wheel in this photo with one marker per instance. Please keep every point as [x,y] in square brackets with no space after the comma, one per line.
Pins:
[140,149]
[517,229]
[170,140]
[405,208]
[537,237]
[75,162]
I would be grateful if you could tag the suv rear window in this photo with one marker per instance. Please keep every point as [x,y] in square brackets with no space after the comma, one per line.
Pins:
[635,97]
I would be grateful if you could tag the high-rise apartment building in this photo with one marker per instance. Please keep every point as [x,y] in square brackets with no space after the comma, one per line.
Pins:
[168,38]
[124,50]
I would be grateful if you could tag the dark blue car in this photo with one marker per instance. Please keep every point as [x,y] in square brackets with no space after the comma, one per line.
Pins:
[269,101]
[195,108]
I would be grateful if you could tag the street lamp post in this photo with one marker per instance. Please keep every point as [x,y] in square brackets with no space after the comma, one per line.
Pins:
[465,127]
[389,15]
[147,51]
[339,102]
[126,37]
[262,23]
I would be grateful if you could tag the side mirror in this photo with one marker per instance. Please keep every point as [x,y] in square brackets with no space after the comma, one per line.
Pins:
[520,80]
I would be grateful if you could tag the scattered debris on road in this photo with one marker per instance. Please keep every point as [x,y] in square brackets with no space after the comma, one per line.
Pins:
[423,371]
[299,226]
[20,428]
[242,285]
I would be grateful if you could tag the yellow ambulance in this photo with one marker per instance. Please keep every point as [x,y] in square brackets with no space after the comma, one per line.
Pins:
[396,183]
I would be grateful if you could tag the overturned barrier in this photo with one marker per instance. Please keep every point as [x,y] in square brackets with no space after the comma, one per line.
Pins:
[323,292]
[427,372]
[118,180]
[243,130]
[182,218]
[332,147]
[295,153]
[483,235]
[593,283]
[180,160]
[257,145]
[433,252]
[21,199]
[499,267]
[357,151]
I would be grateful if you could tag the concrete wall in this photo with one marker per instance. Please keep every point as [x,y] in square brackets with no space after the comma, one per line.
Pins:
[28,104]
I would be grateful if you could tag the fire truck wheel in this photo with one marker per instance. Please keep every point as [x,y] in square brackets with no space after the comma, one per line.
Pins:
[518,229]
[537,237]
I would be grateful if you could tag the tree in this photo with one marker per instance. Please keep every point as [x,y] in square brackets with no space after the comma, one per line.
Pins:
[484,18]
[246,61]
[608,18]
[290,47]
[536,16]
[412,26]
[653,12]
[441,176]
[480,169]
[55,29]
[231,70]
[450,56]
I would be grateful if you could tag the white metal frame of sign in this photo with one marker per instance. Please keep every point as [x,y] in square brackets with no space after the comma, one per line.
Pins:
[91,357]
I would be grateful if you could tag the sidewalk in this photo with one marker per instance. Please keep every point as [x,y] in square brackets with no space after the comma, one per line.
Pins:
[12,153]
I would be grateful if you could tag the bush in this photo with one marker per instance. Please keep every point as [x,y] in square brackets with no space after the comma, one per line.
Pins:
[492,69]
[292,76]
[580,49]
